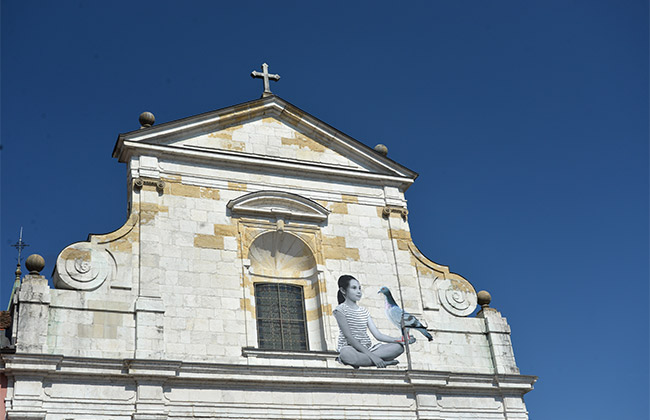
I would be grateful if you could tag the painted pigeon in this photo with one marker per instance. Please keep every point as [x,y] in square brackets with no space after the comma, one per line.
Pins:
[394,313]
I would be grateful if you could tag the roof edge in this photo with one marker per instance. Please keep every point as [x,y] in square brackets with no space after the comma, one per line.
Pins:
[273,105]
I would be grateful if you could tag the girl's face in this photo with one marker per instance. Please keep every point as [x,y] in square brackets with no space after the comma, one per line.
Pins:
[353,292]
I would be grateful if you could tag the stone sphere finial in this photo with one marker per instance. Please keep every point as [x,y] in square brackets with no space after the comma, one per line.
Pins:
[483,298]
[35,263]
[147,119]
[381,149]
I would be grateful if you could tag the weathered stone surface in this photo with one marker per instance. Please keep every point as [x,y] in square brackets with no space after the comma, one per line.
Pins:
[158,319]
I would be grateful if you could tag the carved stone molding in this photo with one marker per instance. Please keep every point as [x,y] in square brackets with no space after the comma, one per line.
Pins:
[402,211]
[278,205]
[138,183]
[38,414]
[254,352]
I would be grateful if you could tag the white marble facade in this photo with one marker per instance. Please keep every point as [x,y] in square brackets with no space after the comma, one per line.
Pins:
[157,319]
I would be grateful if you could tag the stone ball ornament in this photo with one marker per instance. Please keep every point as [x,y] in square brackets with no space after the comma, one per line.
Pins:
[381,149]
[82,266]
[147,119]
[35,264]
[484,298]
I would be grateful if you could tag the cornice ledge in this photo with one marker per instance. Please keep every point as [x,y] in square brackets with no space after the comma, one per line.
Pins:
[515,382]
[330,134]
[286,354]
[262,162]
[269,106]
[240,373]
[29,362]
[152,367]
[26,414]
[196,122]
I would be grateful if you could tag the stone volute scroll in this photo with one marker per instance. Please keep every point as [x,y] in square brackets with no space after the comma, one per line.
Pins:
[82,266]
[457,296]
[441,287]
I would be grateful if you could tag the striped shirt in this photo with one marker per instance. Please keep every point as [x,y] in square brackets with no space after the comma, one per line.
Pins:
[357,322]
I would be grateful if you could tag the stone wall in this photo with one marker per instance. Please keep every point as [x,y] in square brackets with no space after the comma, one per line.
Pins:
[157,319]
[183,251]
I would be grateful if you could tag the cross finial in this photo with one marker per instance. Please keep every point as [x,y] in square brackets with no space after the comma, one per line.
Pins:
[20,245]
[266,76]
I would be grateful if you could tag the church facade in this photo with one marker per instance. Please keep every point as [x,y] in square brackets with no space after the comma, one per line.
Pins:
[214,300]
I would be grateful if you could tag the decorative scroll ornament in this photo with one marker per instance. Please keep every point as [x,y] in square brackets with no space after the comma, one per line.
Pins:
[402,211]
[138,183]
[457,296]
[82,267]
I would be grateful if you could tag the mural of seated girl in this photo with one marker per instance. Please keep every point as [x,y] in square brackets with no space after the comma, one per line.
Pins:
[354,345]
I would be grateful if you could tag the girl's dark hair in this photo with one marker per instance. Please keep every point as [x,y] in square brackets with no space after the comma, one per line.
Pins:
[344,282]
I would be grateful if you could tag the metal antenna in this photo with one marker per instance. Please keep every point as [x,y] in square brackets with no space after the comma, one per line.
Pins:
[20,245]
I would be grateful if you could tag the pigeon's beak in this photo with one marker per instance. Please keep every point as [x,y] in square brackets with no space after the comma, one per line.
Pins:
[378,291]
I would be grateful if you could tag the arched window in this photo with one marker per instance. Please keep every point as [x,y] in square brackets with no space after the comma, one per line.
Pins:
[285,293]
[280,317]
[281,243]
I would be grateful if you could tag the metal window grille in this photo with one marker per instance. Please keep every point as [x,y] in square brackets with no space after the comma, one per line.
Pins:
[281,322]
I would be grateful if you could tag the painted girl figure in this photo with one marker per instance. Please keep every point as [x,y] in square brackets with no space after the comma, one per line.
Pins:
[354,345]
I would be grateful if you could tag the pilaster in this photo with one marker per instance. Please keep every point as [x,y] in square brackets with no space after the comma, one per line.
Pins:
[149,403]
[149,328]
[498,334]
[33,316]
[149,308]
[27,401]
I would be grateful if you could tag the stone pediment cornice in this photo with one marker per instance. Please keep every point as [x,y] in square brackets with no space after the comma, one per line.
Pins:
[263,163]
[161,139]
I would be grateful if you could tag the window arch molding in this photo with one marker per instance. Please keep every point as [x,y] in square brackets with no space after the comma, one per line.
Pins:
[278,204]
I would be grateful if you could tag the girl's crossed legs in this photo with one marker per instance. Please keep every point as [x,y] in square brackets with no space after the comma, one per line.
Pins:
[386,351]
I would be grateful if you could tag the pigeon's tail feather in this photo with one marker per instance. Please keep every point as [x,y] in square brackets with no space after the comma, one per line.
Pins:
[425,333]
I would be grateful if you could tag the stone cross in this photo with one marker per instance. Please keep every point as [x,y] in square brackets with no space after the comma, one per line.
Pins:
[266,76]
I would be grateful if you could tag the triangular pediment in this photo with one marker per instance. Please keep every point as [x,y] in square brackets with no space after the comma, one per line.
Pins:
[270,137]
[265,130]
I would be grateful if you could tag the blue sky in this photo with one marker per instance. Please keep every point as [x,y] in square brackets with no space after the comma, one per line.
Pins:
[527,122]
